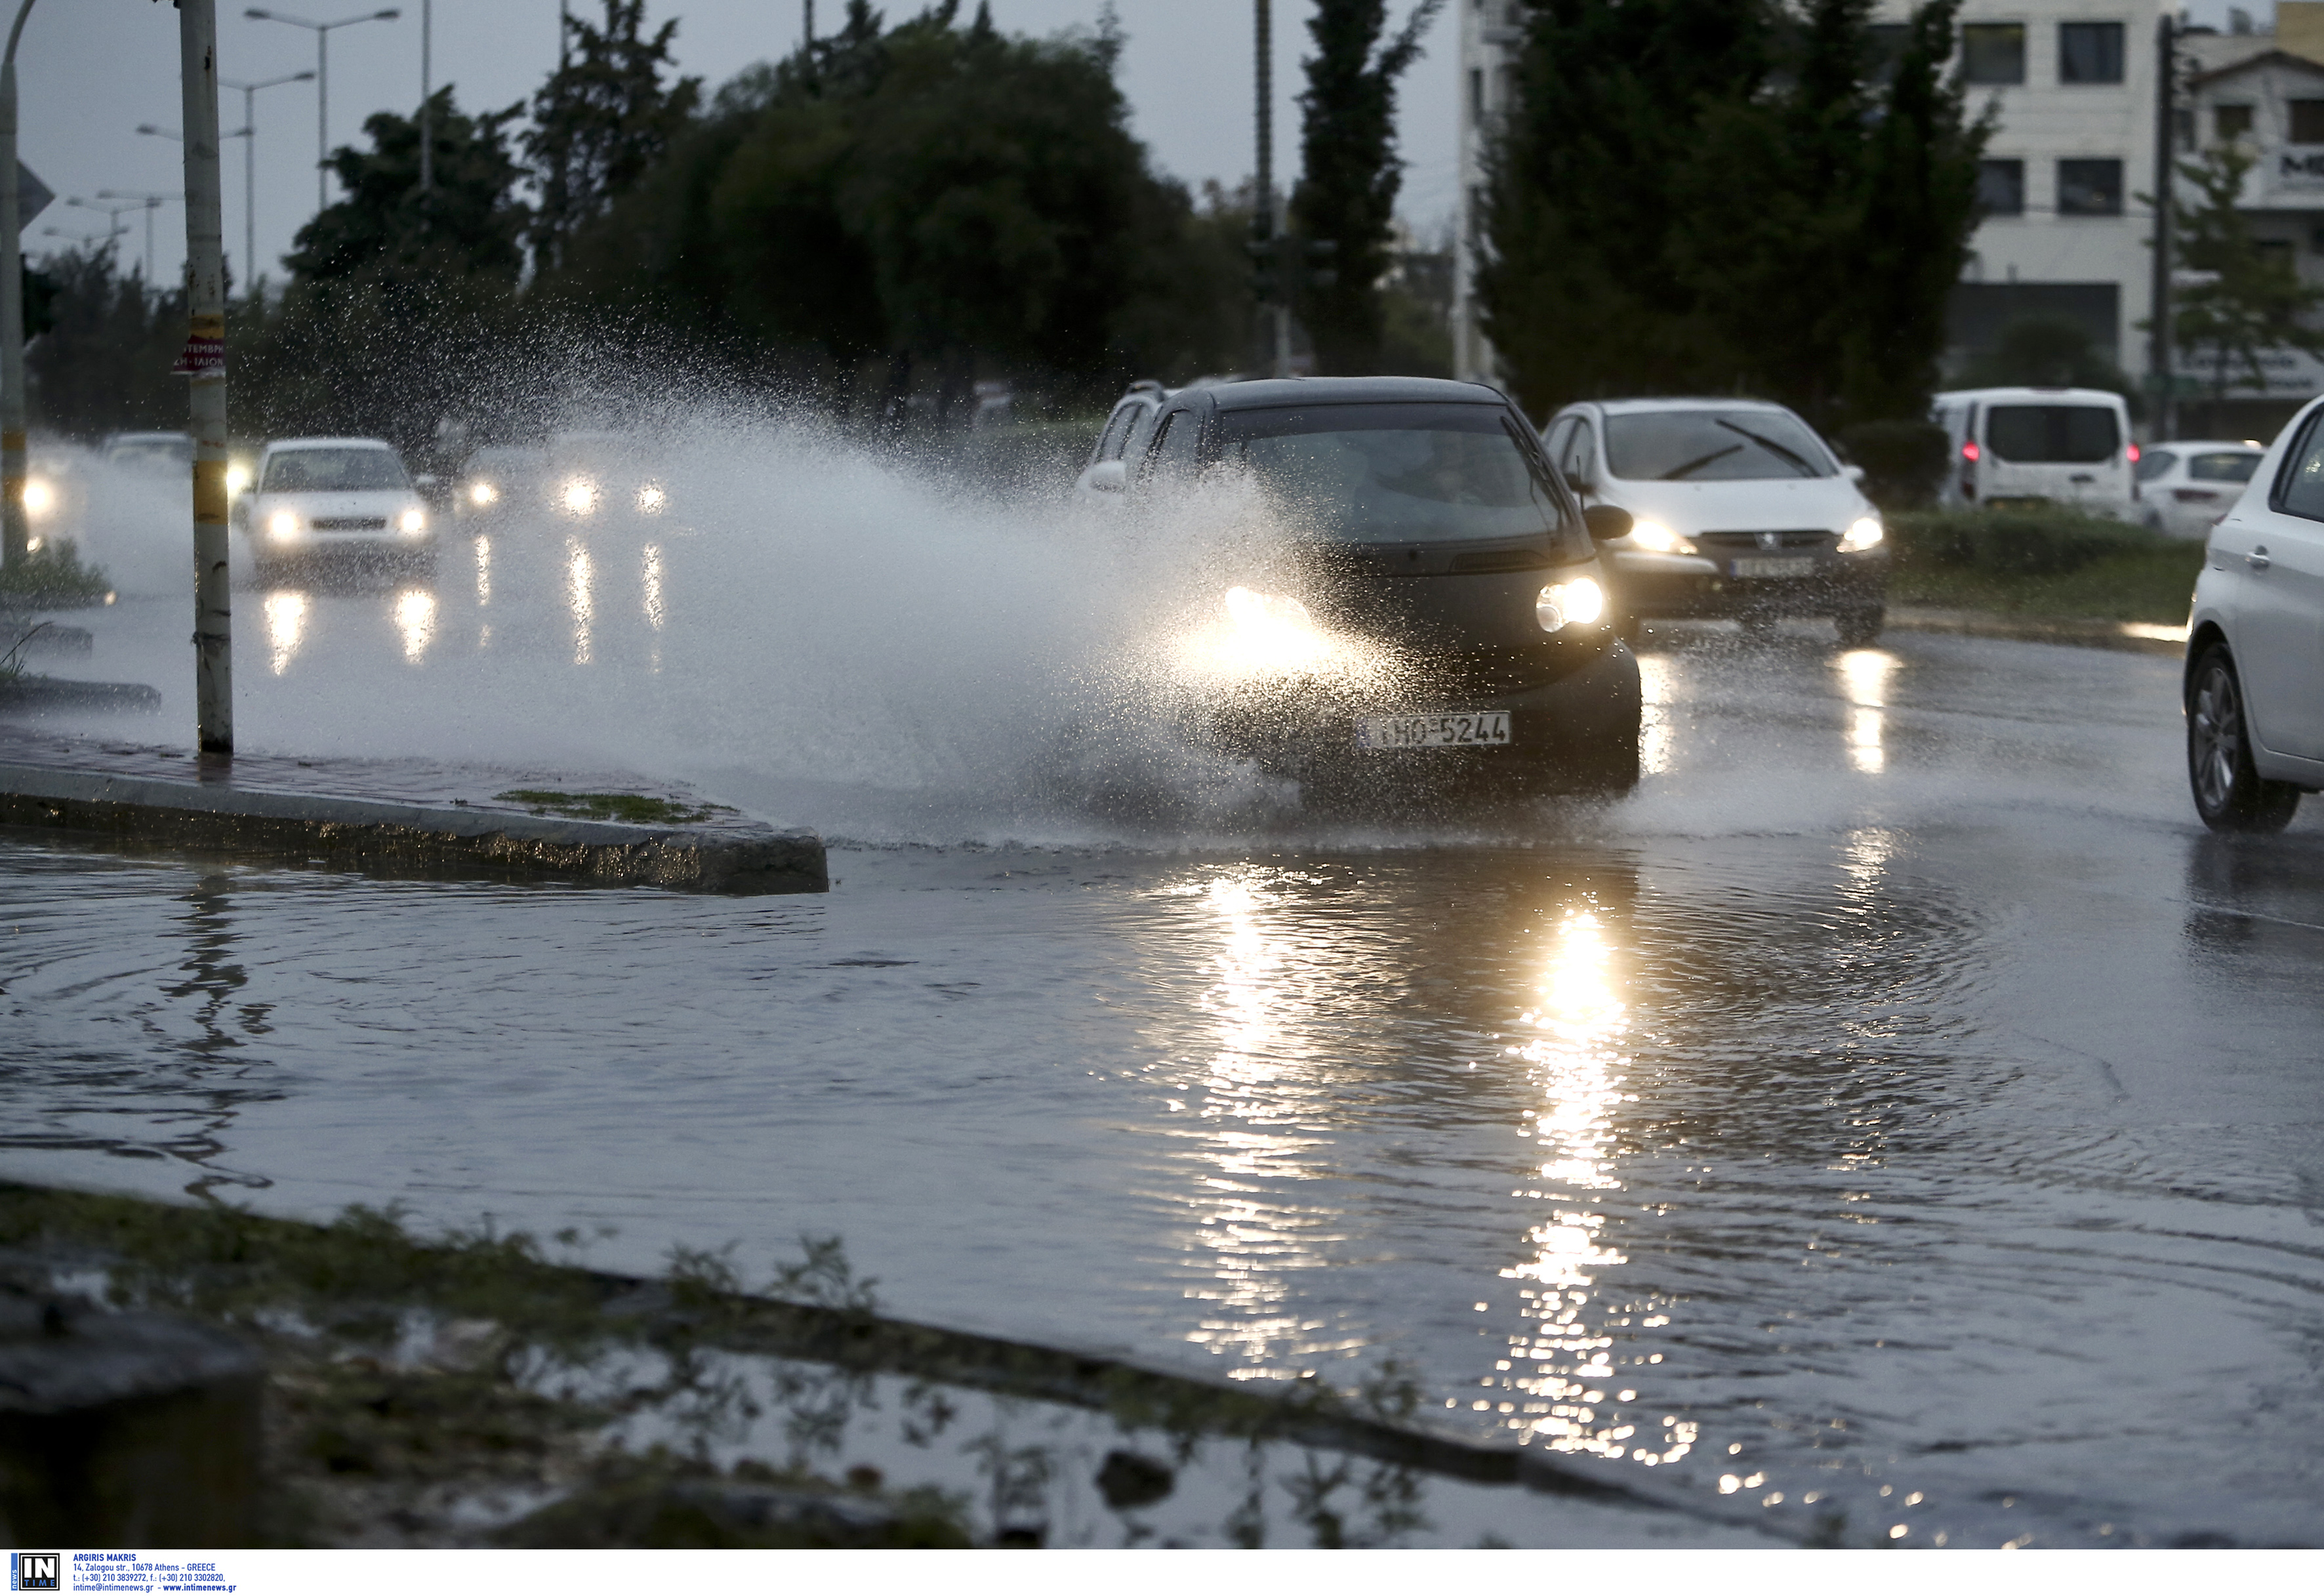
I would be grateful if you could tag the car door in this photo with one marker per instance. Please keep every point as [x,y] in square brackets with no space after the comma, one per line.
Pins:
[2272,547]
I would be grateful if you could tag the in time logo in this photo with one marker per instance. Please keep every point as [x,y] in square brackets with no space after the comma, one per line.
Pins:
[34,1570]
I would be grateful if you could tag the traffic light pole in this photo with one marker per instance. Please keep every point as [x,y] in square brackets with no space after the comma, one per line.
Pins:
[203,365]
[15,531]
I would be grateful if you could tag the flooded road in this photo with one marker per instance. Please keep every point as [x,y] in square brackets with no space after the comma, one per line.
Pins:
[1899,1121]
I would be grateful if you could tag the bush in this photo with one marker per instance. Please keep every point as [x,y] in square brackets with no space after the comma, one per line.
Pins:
[1904,461]
[2030,543]
[51,577]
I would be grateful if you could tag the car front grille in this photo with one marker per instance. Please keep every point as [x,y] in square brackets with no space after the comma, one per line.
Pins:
[1750,542]
[349,524]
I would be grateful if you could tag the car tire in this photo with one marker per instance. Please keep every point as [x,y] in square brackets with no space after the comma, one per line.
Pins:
[2230,794]
[1859,628]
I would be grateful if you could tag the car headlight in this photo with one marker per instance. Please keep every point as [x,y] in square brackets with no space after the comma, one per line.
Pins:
[580,496]
[483,492]
[414,522]
[651,499]
[238,478]
[1577,602]
[1653,536]
[40,498]
[1865,533]
[283,525]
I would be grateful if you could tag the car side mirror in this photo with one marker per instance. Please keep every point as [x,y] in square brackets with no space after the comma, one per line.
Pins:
[1108,476]
[1607,523]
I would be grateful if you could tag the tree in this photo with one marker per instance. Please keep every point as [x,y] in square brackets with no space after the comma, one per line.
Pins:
[103,363]
[603,120]
[2048,351]
[471,222]
[1350,172]
[1705,196]
[2249,301]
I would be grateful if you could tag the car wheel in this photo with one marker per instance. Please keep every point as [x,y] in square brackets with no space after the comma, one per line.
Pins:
[2229,793]
[1860,628]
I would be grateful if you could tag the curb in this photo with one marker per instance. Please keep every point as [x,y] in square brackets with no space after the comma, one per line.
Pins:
[388,835]
[2135,637]
[39,693]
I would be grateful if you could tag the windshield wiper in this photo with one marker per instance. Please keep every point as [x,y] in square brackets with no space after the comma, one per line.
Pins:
[1771,446]
[1697,464]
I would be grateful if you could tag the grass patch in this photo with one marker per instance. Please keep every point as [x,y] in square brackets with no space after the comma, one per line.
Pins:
[51,577]
[630,808]
[2041,563]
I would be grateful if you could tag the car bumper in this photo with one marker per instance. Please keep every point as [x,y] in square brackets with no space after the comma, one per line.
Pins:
[1678,586]
[1562,733]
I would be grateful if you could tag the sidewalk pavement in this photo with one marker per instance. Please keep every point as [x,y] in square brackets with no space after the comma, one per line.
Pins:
[397,815]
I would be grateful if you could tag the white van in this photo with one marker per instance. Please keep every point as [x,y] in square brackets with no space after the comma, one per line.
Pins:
[2065,445]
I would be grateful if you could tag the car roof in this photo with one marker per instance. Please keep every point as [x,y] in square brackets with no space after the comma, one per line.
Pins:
[1728,402]
[2185,445]
[149,438]
[2077,395]
[280,445]
[1269,393]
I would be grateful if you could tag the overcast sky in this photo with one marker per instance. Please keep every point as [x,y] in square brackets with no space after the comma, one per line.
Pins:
[90,71]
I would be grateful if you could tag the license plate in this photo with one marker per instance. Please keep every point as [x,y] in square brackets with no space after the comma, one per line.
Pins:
[1797,566]
[1484,728]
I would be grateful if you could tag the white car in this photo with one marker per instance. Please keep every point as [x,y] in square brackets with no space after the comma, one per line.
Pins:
[2184,487]
[1737,510]
[2252,694]
[333,497]
[2021,446]
[1123,439]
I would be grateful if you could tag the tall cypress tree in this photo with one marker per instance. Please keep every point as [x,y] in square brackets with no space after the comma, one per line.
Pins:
[601,120]
[1350,172]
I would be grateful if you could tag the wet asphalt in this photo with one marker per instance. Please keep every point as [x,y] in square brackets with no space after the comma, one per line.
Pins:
[1899,1121]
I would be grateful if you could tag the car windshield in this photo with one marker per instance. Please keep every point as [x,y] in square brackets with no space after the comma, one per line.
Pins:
[333,471]
[1397,473]
[2226,466]
[1713,446]
[2053,434]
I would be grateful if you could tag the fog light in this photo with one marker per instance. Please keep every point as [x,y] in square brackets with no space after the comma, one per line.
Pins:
[1577,602]
[415,522]
[283,525]
[1866,533]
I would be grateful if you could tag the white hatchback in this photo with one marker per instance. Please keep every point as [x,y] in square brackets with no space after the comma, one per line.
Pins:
[332,496]
[2184,487]
[2253,688]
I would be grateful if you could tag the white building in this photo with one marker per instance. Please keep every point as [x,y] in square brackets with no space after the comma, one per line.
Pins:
[2073,85]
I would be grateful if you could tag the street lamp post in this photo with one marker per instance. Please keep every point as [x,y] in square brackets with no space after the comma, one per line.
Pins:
[322,31]
[15,531]
[250,163]
[152,202]
[204,363]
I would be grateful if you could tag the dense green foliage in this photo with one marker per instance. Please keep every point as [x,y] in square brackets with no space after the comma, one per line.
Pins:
[1709,196]
[2251,300]
[104,363]
[603,120]
[1351,175]
[1905,462]
[2051,564]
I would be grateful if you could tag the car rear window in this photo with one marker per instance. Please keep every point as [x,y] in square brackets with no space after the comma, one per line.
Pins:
[2227,465]
[333,471]
[2153,463]
[2053,434]
[1713,446]
[1400,473]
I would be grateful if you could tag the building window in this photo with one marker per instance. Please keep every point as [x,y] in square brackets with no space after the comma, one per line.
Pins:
[2090,53]
[2230,123]
[2090,188]
[2306,122]
[1993,52]
[2001,188]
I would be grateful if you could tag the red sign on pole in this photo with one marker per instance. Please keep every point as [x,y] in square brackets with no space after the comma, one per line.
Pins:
[201,357]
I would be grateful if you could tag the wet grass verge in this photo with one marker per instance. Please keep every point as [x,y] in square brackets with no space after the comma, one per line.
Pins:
[473,1389]
[2038,564]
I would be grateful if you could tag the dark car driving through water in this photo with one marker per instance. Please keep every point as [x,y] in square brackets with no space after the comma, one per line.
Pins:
[1435,606]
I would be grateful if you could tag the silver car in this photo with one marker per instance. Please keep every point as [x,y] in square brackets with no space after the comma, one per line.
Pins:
[333,498]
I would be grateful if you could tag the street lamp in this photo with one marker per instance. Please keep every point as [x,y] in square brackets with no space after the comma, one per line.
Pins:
[322,31]
[152,202]
[108,236]
[249,181]
[250,160]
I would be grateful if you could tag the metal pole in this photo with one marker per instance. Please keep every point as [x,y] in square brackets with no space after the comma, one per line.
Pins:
[809,31]
[15,531]
[2158,359]
[249,192]
[151,206]
[1263,224]
[322,117]
[205,349]
[427,117]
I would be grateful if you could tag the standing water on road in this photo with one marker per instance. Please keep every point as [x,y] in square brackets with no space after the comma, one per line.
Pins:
[1896,1123]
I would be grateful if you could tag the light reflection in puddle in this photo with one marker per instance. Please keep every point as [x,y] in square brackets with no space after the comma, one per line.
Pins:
[653,587]
[1864,676]
[415,617]
[484,572]
[577,580]
[286,627]
[1657,688]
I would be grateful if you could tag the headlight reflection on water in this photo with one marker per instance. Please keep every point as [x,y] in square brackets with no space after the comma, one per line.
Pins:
[415,617]
[579,577]
[286,626]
